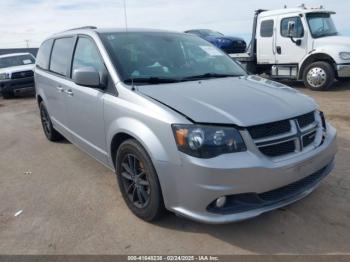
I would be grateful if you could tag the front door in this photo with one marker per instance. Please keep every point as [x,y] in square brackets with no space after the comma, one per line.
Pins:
[85,104]
[287,51]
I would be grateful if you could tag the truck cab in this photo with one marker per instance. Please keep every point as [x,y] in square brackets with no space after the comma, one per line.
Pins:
[298,43]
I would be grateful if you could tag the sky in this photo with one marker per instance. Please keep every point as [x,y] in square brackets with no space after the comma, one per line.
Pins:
[31,21]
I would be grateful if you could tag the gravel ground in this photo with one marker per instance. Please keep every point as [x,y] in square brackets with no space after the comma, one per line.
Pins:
[71,204]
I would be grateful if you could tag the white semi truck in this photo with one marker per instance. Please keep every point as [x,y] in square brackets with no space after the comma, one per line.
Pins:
[299,44]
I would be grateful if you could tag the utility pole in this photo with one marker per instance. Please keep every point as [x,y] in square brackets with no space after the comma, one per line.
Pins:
[27,43]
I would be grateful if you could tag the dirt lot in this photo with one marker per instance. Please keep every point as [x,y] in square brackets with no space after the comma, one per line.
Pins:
[71,204]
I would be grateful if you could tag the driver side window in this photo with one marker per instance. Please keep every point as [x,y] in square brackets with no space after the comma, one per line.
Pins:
[87,55]
[298,31]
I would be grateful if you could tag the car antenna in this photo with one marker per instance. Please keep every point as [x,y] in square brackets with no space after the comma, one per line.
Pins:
[125,17]
[133,87]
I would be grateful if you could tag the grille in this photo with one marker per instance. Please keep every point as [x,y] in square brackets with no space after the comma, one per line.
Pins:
[235,47]
[305,120]
[309,139]
[270,129]
[22,74]
[278,149]
[250,201]
[293,189]
[285,137]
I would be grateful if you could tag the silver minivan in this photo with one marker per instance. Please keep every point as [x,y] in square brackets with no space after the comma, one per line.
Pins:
[183,126]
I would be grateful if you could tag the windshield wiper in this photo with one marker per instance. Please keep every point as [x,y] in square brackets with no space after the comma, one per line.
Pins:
[150,80]
[208,75]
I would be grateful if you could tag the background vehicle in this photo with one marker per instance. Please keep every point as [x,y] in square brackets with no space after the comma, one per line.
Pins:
[228,44]
[16,74]
[172,115]
[299,44]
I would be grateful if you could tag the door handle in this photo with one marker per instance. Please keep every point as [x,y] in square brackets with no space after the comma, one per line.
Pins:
[279,50]
[60,89]
[69,92]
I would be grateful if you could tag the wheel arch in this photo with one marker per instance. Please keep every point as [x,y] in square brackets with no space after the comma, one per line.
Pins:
[316,57]
[39,99]
[117,140]
[129,128]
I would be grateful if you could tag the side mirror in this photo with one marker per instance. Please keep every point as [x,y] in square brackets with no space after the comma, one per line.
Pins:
[87,76]
[291,33]
[291,28]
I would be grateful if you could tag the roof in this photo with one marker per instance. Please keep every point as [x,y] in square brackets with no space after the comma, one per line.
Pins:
[298,10]
[94,30]
[112,30]
[14,54]
[136,30]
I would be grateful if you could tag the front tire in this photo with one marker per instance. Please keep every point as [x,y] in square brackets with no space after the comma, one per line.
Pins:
[138,181]
[7,94]
[49,130]
[319,76]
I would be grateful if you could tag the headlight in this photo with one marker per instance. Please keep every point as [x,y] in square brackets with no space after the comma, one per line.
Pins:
[207,141]
[344,55]
[4,76]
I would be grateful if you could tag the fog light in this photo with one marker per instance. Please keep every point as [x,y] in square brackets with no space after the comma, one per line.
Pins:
[220,202]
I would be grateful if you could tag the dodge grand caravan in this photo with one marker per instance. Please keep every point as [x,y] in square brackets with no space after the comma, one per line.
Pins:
[182,125]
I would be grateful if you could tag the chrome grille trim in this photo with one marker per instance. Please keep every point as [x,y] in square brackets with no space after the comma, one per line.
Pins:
[296,134]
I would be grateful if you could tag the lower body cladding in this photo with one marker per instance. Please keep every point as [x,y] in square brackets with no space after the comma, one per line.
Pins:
[239,186]
[16,86]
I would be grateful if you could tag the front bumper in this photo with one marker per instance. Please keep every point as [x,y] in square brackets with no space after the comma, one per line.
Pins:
[188,189]
[17,85]
[343,70]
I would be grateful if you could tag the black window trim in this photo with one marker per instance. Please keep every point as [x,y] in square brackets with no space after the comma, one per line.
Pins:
[110,80]
[70,56]
[111,91]
[74,50]
[273,26]
[49,59]
[298,17]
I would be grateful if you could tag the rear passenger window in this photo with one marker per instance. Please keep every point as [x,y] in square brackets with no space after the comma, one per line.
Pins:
[61,55]
[43,56]
[87,55]
[266,28]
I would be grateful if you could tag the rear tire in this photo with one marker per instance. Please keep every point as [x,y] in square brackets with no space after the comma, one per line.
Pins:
[49,131]
[138,181]
[319,76]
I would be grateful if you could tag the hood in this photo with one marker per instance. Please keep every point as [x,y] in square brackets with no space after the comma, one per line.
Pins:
[332,40]
[14,69]
[243,101]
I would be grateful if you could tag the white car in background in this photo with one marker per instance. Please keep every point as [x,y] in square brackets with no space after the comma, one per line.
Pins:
[16,74]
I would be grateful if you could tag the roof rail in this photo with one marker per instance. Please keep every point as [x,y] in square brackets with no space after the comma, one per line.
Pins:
[83,27]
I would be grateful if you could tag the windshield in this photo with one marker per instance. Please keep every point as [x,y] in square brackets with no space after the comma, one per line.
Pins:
[206,32]
[16,61]
[321,24]
[168,57]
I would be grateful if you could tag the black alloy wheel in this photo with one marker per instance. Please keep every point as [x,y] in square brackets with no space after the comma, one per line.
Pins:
[135,181]
[138,181]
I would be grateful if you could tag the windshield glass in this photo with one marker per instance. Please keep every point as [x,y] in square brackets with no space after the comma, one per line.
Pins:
[210,33]
[321,24]
[167,56]
[16,61]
